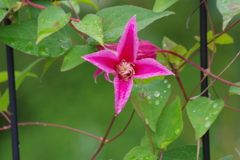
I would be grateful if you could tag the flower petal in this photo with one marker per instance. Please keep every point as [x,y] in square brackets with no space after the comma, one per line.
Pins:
[105,60]
[146,50]
[128,44]
[149,67]
[106,76]
[97,73]
[122,90]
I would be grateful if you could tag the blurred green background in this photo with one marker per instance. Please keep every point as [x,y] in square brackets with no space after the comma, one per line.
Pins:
[73,99]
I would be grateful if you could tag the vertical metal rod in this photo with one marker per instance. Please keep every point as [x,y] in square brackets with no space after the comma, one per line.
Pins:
[204,64]
[12,99]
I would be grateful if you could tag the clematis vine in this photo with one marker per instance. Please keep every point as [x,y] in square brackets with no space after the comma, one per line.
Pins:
[125,66]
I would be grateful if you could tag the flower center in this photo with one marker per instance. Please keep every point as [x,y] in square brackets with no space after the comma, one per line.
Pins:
[125,70]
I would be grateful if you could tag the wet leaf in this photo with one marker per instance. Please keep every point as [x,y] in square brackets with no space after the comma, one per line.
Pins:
[168,44]
[151,99]
[92,26]
[169,125]
[202,112]
[90,3]
[228,9]
[114,25]
[234,89]
[161,5]
[182,153]
[6,4]
[140,152]
[48,25]
[73,57]
[23,37]
[4,101]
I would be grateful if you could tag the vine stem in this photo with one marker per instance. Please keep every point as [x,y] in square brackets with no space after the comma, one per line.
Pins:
[130,119]
[53,125]
[42,7]
[211,41]
[104,138]
[205,71]
[5,116]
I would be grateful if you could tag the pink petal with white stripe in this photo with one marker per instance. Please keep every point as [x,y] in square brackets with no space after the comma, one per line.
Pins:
[149,67]
[105,60]
[128,44]
[122,91]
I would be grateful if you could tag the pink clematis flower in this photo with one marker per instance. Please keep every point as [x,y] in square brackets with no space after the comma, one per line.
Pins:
[125,66]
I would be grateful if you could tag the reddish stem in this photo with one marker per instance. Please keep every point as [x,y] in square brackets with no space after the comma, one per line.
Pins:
[5,116]
[205,71]
[53,125]
[42,7]
[234,109]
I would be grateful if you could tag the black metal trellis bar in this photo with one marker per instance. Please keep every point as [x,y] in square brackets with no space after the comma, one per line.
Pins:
[204,64]
[12,99]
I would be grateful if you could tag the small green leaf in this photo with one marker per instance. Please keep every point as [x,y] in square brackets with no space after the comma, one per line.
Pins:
[234,89]
[34,12]
[3,13]
[147,80]
[47,25]
[161,5]
[168,44]
[151,99]
[140,152]
[73,57]
[92,26]
[182,153]
[228,9]
[90,3]
[4,75]
[179,49]
[229,157]
[169,125]
[47,66]
[5,7]
[202,112]
[114,25]
[74,4]
[4,101]
[23,37]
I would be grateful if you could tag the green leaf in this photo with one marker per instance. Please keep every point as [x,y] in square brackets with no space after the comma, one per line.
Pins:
[182,153]
[74,4]
[169,125]
[168,44]
[23,37]
[228,9]
[114,25]
[234,89]
[229,157]
[179,49]
[3,13]
[47,24]
[4,101]
[34,12]
[161,5]
[147,80]
[47,66]
[150,99]
[202,112]
[73,57]
[4,75]
[90,3]
[140,152]
[5,4]
[92,26]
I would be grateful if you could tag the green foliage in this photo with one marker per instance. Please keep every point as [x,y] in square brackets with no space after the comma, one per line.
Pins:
[73,57]
[235,90]
[92,26]
[48,25]
[23,37]
[6,4]
[150,99]
[182,153]
[113,27]
[90,3]
[4,101]
[140,152]
[228,9]
[169,125]
[202,112]
[161,5]
[4,75]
